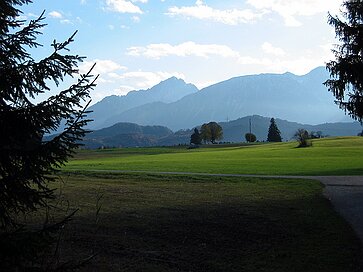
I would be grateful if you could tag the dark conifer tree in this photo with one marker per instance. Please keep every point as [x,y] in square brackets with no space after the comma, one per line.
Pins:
[27,161]
[274,134]
[346,81]
[195,138]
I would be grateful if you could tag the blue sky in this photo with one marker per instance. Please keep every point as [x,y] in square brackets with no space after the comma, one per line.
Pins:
[138,43]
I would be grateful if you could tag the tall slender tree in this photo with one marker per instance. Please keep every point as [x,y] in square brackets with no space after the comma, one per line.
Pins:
[274,134]
[27,161]
[346,82]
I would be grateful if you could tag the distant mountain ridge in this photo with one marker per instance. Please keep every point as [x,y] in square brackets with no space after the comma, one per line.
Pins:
[133,135]
[303,99]
[235,130]
[126,135]
[166,91]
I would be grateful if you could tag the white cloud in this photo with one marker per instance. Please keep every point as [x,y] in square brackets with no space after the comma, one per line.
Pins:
[298,66]
[191,49]
[102,67]
[247,60]
[327,48]
[33,15]
[290,9]
[122,83]
[141,1]
[199,2]
[202,84]
[136,19]
[270,49]
[156,51]
[22,17]
[63,19]
[122,6]
[301,63]
[144,80]
[55,14]
[203,12]
[66,21]
[122,90]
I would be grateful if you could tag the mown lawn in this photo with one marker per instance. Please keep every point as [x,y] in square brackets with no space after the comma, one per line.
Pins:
[330,156]
[150,222]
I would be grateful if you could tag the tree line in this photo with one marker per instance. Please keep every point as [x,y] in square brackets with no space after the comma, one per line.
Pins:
[212,132]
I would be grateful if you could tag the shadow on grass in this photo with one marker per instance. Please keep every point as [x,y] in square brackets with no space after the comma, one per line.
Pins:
[287,235]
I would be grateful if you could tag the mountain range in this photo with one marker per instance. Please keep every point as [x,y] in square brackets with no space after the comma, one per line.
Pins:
[167,91]
[132,135]
[178,105]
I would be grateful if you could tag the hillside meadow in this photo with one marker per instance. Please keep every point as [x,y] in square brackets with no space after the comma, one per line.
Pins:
[139,221]
[152,222]
[329,156]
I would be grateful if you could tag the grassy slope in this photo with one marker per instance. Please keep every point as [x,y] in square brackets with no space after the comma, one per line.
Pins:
[190,223]
[332,156]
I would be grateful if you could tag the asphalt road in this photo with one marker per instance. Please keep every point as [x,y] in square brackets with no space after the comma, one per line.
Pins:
[346,195]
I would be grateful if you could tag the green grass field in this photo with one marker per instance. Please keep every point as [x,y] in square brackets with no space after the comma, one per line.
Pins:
[195,223]
[160,222]
[330,156]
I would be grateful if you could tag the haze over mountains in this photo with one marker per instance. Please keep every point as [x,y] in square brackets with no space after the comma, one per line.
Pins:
[132,135]
[167,91]
[178,105]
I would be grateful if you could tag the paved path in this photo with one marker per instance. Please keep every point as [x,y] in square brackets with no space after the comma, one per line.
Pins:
[345,192]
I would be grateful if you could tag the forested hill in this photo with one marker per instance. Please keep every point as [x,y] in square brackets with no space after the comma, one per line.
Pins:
[132,135]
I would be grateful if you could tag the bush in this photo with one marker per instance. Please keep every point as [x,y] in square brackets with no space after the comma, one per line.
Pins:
[303,137]
[250,137]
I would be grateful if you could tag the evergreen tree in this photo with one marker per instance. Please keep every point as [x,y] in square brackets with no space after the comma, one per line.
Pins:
[346,82]
[195,138]
[274,134]
[27,161]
